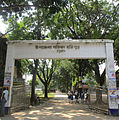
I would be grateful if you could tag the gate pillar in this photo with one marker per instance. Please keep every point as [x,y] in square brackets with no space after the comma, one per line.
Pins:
[9,71]
[111,80]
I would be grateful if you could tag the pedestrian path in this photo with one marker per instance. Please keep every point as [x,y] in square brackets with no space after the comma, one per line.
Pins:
[58,109]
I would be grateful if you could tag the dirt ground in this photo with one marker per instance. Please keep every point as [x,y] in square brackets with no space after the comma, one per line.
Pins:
[58,109]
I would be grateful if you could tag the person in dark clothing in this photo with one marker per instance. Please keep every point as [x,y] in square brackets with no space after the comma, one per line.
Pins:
[72,97]
[4,99]
[82,96]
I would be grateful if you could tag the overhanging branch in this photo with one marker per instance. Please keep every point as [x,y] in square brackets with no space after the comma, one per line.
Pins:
[20,6]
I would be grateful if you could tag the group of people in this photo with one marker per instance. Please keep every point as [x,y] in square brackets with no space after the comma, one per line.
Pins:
[77,96]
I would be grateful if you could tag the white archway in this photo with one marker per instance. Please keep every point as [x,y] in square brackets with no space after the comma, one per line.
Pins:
[68,49]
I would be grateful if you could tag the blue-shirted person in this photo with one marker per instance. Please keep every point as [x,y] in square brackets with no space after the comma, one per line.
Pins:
[69,96]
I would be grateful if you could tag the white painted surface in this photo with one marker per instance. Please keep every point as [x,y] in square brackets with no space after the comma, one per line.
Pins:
[79,50]
[9,69]
[83,49]
[110,76]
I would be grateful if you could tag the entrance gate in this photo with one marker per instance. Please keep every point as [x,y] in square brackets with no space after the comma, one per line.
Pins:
[64,49]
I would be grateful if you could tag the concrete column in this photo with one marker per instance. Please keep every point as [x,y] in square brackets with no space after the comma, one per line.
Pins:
[9,72]
[111,80]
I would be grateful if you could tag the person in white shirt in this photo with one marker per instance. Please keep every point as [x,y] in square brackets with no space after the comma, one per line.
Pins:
[4,99]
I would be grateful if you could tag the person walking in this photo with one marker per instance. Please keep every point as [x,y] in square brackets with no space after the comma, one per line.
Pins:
[4,99]
[76,96]
[69,96]
[82,96]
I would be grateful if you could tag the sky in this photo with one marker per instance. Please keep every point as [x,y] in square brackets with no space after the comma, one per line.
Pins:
[3,27]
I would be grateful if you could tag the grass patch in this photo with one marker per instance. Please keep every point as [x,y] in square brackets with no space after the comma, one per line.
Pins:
[42,99]
[50,95]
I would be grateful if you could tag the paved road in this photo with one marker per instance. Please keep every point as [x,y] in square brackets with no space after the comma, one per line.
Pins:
[58,109]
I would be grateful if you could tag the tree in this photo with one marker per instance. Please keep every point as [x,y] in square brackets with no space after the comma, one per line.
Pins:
[95,19]
[31,28]
[18,7]
[80,67]
[3,50]
[45,73]
[116,50]
[63,75]
[37,83]
[32,25]
[90,79]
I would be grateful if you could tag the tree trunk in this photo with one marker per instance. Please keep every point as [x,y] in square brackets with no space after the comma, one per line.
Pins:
[33,88]
[99,96]
[46,91]
[3,50]
[18,67]
[33,82]
[100,81]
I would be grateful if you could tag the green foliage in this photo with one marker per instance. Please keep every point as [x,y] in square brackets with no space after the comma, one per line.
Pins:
[75,82]
[10,6]
[21,30]
[19,7]
[91,79]
[80,67]
[45,72]
[96,19]
[116,50]
[87,19]
[36,83]
[25,66]
[55,19]
[34,26]
[63,75]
